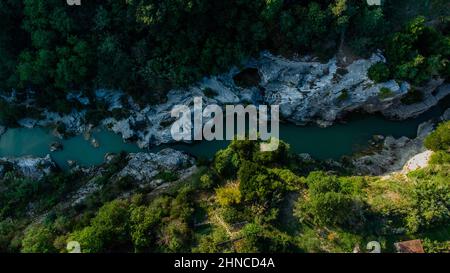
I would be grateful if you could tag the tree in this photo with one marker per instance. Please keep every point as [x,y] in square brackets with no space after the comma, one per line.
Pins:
[212,243]
[12,41]
[258,185]
[226,162]
[144,223]
[431,202]
[328,203]
[439,140]
[415,53]
[108,230]
[379,72]
[38,239]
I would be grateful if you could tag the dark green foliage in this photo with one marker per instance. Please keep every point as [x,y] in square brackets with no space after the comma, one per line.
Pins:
[12,41]
[418,53]
[257,184]
[8,230]
[261,239]
[367,29]
[17,192]
[226,162]
[146,47]
[167,176]
[330,203]
[108,230]
[344,95]
[10,114]
[379,72]
[385,93]
[163,225]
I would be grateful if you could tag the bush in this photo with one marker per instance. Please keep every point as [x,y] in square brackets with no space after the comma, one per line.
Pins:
[385,93]
[38,239]
[206,181]
[226,162]
[167,176]
[108,230]
[258,185]
[431,202]
[440,138]
[440,158]
[435,246]
[418,52]
[344,95]
[329,203]
[379,72]
[228,195]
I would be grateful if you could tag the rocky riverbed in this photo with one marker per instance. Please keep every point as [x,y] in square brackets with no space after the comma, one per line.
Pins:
[399,154]
[144,169]
[30,167]
[307,91]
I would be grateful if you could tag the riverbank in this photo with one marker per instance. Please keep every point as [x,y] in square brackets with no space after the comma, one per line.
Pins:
[306,90]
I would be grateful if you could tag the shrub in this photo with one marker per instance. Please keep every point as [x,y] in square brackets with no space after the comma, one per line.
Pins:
[206,181]
[38,239]
[385,93]
[379,72]
[436,246]
[228,195]
[258,185]
[167,176]
[328,203]
[226,162]
[108,230]
[344,95]
[440,157]
[440,138]
[431,202]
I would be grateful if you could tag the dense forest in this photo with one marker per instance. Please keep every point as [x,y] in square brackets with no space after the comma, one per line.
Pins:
[147,47]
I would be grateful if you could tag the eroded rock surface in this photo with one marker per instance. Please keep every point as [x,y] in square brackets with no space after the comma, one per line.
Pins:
[398,154]
[31,167]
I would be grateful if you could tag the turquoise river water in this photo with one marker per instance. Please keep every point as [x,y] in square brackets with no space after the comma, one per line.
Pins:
[322,143]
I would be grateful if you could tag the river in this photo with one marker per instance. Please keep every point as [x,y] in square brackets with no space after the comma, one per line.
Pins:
[321,143]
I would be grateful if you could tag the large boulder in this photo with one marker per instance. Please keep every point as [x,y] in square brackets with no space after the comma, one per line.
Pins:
[145,167]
